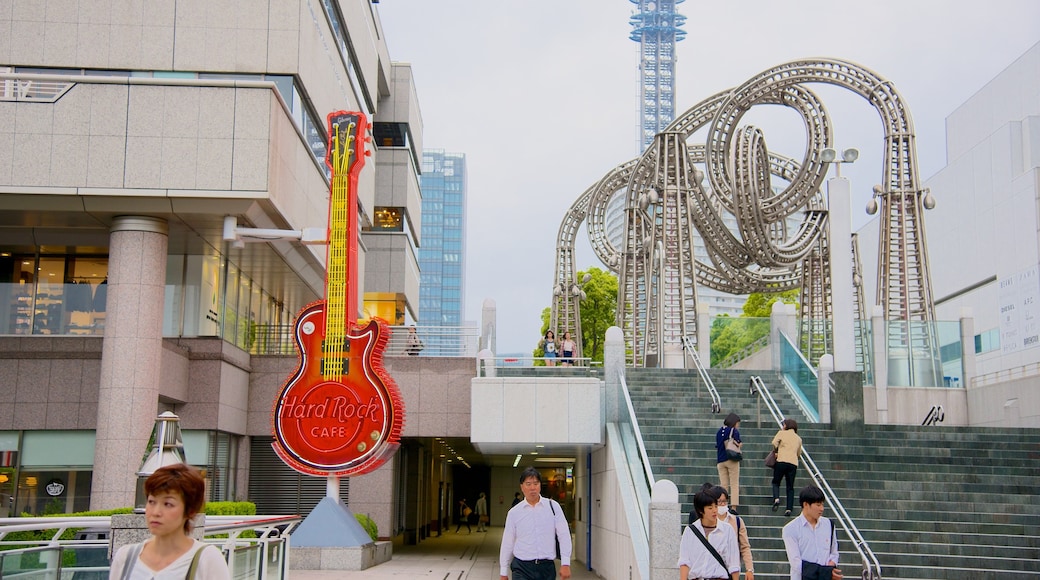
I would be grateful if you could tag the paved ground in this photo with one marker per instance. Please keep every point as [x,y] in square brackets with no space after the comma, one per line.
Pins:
[452,556]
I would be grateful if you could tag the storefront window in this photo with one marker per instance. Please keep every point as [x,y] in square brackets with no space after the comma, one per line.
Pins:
[53,294]
[56,471]
[8,472]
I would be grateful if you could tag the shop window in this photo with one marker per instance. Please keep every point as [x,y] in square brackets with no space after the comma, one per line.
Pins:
[390,134]
[387,219]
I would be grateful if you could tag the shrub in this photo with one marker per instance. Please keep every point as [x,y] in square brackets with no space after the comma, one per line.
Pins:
[369,525]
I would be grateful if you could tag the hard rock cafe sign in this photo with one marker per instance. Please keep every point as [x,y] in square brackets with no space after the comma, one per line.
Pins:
[340,412]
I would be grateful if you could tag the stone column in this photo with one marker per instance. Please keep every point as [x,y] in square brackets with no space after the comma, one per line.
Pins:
[613,363]
[704,334]
[823,387]
[130,357]
[665,530]
[968,365]
[879,333]
[847,408]
[781,318]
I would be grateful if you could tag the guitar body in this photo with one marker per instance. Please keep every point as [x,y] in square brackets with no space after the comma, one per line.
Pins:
[343,421]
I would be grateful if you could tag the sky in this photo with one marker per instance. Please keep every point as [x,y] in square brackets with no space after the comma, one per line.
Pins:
[541,97]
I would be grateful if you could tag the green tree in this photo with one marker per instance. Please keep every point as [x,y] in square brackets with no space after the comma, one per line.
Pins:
[598,313]
[760,305]
[731,335]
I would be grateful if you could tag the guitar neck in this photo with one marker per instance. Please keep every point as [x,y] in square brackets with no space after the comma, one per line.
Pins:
[341,288]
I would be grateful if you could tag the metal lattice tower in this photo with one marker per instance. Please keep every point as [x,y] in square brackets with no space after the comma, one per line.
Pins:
[656,27]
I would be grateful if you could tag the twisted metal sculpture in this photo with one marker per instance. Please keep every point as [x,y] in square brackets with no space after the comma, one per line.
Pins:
[666,200]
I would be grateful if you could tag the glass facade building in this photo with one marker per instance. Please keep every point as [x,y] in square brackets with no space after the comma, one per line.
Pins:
[442,254]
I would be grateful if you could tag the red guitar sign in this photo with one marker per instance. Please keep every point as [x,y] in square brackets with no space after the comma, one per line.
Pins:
[340,412]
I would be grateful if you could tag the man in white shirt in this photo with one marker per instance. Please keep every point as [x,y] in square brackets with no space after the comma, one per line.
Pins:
[696,560]
[810,541]
[532,528]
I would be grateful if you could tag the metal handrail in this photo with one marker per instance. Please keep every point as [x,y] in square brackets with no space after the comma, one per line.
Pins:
[871,566]
[690,349]
[269,529]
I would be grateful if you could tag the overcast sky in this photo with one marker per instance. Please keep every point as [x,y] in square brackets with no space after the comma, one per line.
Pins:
[541,97]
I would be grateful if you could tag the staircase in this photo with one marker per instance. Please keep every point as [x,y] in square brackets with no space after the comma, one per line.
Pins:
[931,502]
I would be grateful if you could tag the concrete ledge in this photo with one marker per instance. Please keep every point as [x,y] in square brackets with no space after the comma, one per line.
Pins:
[351,558]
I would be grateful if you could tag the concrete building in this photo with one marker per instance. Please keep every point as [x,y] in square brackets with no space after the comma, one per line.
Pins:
[128,131]
[984,250]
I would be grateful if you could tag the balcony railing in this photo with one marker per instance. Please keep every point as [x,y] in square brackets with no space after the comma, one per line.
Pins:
[437,341]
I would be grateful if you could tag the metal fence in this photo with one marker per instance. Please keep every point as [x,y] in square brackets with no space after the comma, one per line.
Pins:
[438,341]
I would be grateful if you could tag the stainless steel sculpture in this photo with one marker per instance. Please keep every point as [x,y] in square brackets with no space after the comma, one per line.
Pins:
[667,196]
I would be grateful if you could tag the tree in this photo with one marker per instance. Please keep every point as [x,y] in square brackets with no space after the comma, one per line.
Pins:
[598,313]
[731,335]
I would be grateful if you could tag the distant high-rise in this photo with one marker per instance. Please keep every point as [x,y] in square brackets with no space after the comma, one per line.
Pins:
[441,257]
[656,27]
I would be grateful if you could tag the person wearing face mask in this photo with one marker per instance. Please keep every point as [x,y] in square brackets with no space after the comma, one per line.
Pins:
[708,550]
[724,515]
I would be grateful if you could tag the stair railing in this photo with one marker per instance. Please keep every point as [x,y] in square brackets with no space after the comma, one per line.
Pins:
[935,415]
[871,566]
[800,377]
[691,350]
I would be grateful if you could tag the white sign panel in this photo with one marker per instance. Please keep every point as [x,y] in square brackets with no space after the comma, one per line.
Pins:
[1020,311]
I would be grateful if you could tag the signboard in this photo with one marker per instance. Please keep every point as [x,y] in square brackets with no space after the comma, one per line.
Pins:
[1019,298]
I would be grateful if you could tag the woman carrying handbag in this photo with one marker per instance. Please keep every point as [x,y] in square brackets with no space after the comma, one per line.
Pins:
[727,447]
[788,446]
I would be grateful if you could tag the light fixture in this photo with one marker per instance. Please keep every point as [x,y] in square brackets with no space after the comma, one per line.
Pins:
[828,155]
[850,155]
[517,460]
[554,460]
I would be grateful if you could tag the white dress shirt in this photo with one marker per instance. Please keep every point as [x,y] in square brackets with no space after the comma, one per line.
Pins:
[531,532]
[702,563]
[803,542]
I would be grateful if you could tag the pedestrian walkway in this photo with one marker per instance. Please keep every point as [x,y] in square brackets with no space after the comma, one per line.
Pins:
[462,556]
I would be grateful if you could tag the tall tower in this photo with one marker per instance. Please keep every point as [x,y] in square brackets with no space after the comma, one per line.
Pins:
[441,263]
[656,27]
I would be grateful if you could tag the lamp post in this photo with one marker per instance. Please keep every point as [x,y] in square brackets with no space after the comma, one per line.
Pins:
[839,226]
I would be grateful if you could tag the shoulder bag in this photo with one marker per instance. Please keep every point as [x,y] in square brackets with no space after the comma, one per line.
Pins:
[711,549]
[771,458]
[733,447]
[554,529]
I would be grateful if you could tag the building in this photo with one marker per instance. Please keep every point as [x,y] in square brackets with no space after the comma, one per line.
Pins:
[984,250]
[442,257]
[128,132]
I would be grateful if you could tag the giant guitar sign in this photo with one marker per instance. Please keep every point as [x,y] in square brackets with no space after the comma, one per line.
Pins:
[340,413]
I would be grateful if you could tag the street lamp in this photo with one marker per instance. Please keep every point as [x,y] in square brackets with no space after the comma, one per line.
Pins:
[829,155]
[839,226]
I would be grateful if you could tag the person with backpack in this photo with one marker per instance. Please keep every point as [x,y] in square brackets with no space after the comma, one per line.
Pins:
[708,549]
[722,500]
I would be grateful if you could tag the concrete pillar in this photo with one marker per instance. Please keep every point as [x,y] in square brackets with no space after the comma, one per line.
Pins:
[969,369]
[488,325]
[665,530]
[704,334]
[823,397]
[847,415]
[879,332]
[130,357]
[839,225]
[613,365]
[673,356]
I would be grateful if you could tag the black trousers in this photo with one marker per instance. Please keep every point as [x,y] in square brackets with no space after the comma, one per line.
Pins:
[533,569]
[786,472]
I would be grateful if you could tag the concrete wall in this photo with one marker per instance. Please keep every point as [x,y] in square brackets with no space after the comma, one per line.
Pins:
[518,410]
[613,556]
[1014,403]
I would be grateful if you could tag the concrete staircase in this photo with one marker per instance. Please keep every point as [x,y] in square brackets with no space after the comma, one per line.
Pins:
[931,502]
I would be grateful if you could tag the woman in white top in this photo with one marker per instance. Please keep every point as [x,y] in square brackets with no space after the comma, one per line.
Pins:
[176,494]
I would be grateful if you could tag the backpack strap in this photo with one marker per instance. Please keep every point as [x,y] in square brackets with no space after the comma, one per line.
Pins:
[131,561]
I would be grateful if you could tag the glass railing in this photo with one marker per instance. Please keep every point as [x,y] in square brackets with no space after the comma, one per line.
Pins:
[801,377]
[925,354]
[732,336]
[636,465]
[438,341]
